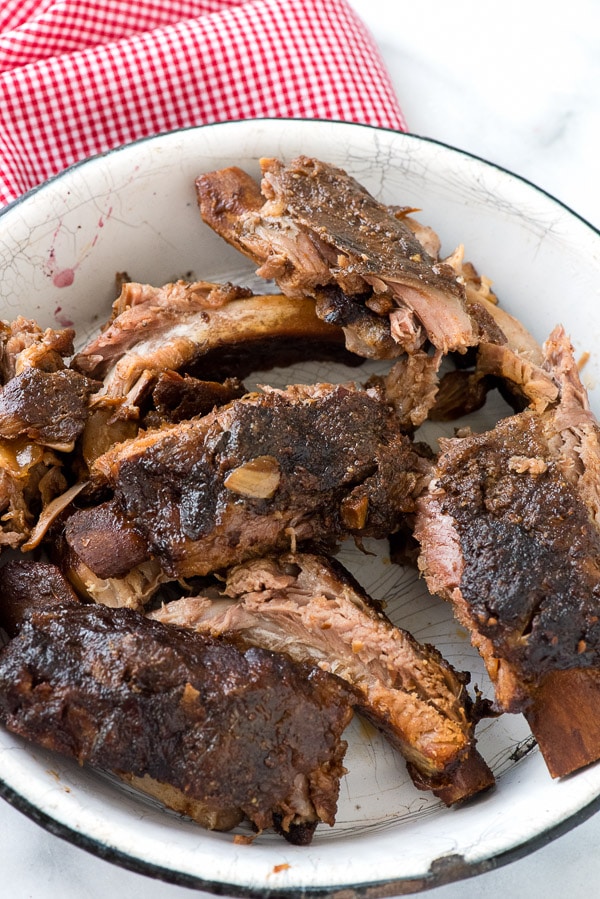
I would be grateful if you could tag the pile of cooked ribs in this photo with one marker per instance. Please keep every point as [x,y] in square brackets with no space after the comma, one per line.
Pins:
[179,616]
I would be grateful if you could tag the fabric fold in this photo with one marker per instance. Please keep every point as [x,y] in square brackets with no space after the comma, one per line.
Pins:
[76,80]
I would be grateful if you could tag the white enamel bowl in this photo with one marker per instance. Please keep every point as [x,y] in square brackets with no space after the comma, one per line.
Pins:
[135,210]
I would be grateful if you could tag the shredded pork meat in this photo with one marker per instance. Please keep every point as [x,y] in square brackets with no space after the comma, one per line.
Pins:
[510,533]
[311,609]
[44,408]
[315,230]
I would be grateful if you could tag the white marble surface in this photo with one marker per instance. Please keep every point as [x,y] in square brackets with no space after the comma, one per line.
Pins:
[517,83]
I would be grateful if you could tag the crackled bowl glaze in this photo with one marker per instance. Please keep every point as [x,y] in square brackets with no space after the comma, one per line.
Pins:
[134,210]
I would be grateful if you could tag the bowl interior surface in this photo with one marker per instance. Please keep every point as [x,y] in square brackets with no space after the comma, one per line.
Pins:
[134,210]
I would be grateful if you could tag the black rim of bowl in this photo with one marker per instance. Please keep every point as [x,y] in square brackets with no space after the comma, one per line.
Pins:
[447,869]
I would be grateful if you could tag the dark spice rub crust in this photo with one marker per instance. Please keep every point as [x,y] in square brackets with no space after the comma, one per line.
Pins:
[237,733]
[310,608]
[510,534]
[531,575]
[49,408]
[317,232]
[312,463]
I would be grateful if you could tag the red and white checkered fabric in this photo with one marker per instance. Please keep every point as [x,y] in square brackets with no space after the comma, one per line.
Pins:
[78,77]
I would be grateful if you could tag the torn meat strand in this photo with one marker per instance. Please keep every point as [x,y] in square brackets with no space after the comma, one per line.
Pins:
[316,231]
[510,534]
[311,609]
[204,329]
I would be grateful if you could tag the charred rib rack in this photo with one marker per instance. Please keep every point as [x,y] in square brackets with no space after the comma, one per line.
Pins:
[309,608]
[315,230]
[509,533]
[376,272]
[216,732]
[316,463]
[203,329]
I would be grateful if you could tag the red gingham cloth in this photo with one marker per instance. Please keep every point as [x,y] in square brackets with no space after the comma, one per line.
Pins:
[78,77]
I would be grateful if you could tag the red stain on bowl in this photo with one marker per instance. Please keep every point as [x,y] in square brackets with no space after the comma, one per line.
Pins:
[61,277]
[64,278]
[62,319]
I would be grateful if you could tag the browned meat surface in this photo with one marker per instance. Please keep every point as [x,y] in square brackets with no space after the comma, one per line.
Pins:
[308,463]
[50,408]
[43,410]
[376,272]
[509,532]
[23,344]
[411,387]
[117,547]
[235,732]
[176,397]
[311,609]
[210,331]
[205,329]
[131,590]
[315,230]
[27,585]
